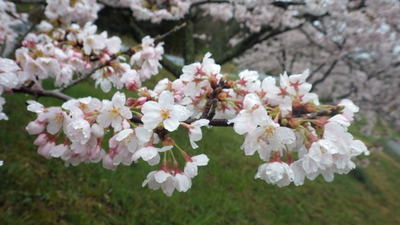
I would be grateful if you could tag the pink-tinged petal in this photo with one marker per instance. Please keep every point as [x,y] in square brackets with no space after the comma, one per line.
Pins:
[118,99]
[166,99]
[34,127]
[171,124]
[151,107]
[200,160]
[161,176]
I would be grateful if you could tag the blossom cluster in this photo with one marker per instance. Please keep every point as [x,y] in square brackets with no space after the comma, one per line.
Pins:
[10,20]
[67,54]
[155,10]
[75,132]
[79,11]
[8,80]
[294,135]
[252,14]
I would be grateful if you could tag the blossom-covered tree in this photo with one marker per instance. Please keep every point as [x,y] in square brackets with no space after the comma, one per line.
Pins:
[295,135]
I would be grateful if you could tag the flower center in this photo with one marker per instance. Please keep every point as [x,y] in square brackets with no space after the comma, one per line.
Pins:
[164,113]
[269,132]
[84,107]
[113,112]
[59,118]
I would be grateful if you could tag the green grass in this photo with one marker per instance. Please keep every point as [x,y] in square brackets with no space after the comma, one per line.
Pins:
[34,190]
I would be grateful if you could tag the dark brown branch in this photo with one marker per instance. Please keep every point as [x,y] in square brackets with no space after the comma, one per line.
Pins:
[281,4]
[326,74]
[209,2]
[214,122]
[45,93]
[286,4]
[252,40]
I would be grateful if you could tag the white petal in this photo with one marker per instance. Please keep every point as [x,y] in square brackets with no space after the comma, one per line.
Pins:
[180,113]
[119,99]
[123,134]
[142,134]
[201,160]
[171,124]
[166,99]
[151,107]
[161,176]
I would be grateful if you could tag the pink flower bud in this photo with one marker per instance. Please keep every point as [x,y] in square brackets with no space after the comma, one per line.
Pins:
[35,127]
[41,140]
[142,100]
[45,149]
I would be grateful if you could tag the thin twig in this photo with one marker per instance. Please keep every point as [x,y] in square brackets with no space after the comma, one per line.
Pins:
[173,30]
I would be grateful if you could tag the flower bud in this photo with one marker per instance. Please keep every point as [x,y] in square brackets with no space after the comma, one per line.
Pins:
[130,102]
[310,107]
[168,141]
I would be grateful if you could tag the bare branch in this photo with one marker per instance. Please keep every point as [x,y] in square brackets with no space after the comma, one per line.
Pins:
[45,93]
[326,74]
[173,30]
[209,2]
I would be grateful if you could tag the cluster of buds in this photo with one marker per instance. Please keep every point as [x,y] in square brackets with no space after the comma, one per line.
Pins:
[294,135]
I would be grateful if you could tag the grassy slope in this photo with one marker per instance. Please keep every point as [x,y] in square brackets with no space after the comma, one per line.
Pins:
[34,190]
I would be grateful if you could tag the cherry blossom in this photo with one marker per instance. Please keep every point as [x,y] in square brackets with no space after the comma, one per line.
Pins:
[114,112]
[193,162]
[164,111]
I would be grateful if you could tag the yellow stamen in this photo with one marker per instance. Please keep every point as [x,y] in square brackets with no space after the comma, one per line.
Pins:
[269,132]
[164,113]
[113,112]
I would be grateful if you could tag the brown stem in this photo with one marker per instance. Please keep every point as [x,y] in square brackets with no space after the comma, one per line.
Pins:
[45,93]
